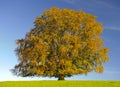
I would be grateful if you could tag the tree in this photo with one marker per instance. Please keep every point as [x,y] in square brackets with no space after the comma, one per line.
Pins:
[63,43]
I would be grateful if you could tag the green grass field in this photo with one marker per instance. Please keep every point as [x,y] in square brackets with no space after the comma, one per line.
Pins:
[76,83]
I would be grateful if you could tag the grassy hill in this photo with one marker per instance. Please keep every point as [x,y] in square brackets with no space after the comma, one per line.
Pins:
[60,84]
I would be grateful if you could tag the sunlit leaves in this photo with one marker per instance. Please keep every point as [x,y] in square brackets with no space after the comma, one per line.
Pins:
[64,42]
[99,69]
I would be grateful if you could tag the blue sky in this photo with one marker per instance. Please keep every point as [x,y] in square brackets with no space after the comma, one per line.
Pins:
[17,17]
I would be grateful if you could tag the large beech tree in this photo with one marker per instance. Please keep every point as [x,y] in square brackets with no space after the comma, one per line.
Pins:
[63,43]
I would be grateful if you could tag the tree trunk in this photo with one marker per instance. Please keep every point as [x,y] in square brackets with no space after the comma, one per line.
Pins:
[61,77]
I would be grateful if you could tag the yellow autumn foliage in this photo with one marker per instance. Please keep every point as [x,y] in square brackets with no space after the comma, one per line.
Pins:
[63,42]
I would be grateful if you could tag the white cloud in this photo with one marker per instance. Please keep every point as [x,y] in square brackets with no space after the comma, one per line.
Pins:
[71,1]
[112,28]
[112,72]
[105,4]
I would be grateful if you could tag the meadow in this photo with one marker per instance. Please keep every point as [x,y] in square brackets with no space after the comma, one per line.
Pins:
[75,83]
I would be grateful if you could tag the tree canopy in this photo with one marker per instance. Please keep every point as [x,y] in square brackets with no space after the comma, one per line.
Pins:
[63,43]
